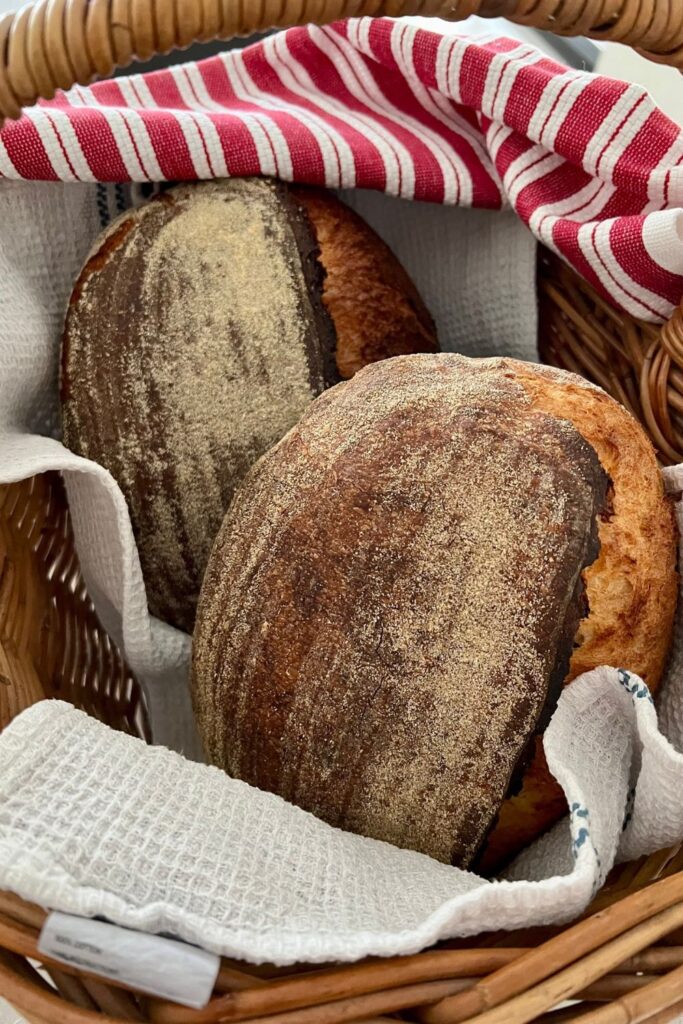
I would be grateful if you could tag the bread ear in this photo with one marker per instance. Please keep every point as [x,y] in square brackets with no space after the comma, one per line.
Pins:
[376,309]
[631,588]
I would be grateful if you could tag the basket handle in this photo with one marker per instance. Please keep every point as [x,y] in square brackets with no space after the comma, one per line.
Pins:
[54,44]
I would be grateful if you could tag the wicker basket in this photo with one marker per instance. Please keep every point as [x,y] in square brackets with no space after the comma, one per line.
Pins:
[621,963]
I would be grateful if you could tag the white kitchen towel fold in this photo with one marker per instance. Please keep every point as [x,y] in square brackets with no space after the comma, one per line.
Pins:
[93,822]
[46,230]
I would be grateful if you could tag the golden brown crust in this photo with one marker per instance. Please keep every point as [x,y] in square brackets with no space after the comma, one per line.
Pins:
[538,805]
[376,309]
[390,605]
[631,588]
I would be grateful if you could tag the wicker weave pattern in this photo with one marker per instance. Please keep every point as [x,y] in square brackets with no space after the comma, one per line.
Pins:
[639,364]
[619,965]
[51,643]
[54,44]
[604,961]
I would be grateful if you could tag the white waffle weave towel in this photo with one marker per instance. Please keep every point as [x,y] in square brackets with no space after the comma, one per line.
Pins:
[93,822]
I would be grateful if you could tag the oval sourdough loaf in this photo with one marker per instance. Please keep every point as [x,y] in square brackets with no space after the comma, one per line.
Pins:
[393,599]
[195,338]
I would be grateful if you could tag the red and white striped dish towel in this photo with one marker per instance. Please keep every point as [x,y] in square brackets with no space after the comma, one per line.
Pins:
[589,164]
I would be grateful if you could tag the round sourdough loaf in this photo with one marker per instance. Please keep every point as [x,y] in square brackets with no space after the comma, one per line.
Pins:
[196,336]
[397,595]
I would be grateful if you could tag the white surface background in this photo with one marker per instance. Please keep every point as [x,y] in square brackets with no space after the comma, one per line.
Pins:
[665,85]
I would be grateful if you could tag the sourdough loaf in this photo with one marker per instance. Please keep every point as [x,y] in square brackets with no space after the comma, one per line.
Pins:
[195,338]
[391,605]
[404,582]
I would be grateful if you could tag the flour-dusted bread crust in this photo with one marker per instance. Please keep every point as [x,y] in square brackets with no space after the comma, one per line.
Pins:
[390,607]
[376,309]
[198,332]
[631,588]
[195,338]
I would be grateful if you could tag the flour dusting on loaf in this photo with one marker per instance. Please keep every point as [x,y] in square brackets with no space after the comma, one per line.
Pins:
[195,339]
[389,610]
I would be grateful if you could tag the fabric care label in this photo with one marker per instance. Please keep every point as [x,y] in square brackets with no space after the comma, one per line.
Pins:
[158,966]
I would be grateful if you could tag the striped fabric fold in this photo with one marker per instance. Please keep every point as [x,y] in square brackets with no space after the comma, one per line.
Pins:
[590,165]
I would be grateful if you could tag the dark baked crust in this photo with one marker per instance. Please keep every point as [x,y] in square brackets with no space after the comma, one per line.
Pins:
[376,308]
[195,338]
[323,343]
[390,606]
